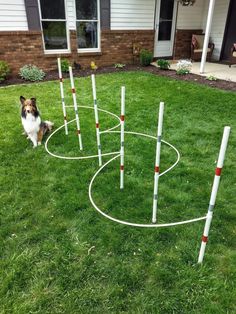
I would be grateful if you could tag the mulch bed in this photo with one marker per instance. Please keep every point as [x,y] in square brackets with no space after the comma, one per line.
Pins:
[53,75]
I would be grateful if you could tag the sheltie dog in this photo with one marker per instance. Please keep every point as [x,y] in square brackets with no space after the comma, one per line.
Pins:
[34,127]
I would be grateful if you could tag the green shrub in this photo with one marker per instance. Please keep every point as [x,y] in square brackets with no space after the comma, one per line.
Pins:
[65,65]
[163,64]
[31,72]
[4,70]
[119,65]
[182,72]
[211,78]
[145,57]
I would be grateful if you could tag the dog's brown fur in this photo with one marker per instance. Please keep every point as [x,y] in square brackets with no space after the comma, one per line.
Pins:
[28,106]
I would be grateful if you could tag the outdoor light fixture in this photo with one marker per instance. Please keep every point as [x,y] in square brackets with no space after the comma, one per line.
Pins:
[187,2]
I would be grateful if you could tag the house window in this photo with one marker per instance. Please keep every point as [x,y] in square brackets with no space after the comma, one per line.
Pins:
[53,20]
[87,25]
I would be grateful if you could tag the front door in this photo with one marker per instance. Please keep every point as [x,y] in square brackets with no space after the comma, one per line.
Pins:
[230,32]
[165,28]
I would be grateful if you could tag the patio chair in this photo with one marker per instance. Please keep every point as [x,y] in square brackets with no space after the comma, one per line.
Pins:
[197,47]
[232,59]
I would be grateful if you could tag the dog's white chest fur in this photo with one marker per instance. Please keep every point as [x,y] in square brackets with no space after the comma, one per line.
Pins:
[31,124]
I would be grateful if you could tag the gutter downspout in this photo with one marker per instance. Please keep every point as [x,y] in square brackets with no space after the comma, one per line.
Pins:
[207,35]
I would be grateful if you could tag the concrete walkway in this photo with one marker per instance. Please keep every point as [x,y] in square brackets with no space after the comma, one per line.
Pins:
[220,71]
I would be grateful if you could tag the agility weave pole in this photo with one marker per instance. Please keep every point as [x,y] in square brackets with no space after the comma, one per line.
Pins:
[214,191]
[62,95]
[75,107]
[122,137]
[157,162]
[96,119]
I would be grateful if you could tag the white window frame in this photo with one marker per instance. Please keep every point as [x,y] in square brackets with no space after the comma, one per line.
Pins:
[98,49]
[56,51]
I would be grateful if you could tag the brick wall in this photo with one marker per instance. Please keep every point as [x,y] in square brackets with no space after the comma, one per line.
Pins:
[117,46]
[182,45]
[20,48]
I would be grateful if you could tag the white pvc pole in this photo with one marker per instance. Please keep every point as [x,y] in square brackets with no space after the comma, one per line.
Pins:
[122,137]
[207,35]
[62,95]
[214,192]
[75,107]
[157,162]
[96,120]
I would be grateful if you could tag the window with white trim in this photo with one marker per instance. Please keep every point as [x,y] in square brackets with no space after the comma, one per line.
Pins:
[87,25]
[54,25]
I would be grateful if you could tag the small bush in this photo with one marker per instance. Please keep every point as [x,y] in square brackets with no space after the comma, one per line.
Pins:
[65,65]
[31,72]
[211,78]
[163,64]
[145,57]
[184,67]
[182,72]
[4,70]
[119,65]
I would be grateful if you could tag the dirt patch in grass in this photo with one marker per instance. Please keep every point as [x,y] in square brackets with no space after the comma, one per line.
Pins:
[53,75]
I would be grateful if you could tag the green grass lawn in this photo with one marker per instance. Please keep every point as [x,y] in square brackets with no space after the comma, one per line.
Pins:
[59,255]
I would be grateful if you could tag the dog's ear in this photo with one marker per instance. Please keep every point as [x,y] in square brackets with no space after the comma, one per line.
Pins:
[22,99]
[33,101]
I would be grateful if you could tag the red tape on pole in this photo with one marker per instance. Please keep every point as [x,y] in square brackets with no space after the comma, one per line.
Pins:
[218,171]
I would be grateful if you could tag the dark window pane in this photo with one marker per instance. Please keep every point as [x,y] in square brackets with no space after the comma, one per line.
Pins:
[86,9]
[166,10]
[52,9]
[164,30]
[87,35]
[55,35]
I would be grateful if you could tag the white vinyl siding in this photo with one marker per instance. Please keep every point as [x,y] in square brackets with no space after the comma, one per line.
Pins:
[132,14]
[13,15]
[190,17]
[218,25]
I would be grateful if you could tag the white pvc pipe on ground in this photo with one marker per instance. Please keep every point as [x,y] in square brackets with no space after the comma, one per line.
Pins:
[75,107]
[127,223]
[122,137]
[214,191]
[96,120]
[111,130]
[62,95]
[157,162]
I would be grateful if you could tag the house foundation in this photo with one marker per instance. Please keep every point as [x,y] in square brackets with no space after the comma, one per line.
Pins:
[26,47]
